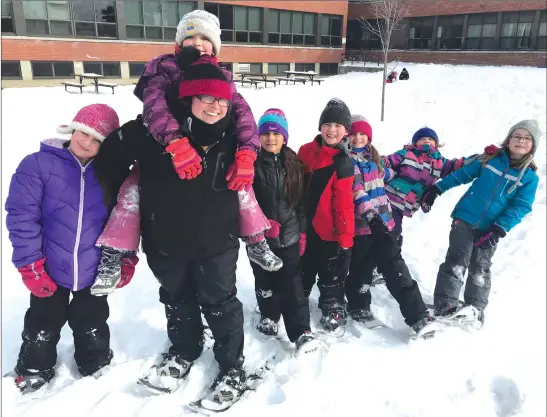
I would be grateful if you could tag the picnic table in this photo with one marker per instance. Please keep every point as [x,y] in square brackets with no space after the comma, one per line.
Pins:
[310,74]
[255,78]
[92,76]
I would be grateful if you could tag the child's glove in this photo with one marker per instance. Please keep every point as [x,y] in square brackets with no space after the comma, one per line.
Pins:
[491,150]
[273,231]
[37,280]
[429,197]
[241,174]
[302,243]
[339,264]
[489,238]
[128,270]
[375,222]
[186,160]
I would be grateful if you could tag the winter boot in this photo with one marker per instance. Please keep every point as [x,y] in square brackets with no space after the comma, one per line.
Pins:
[333,322]
[425,328]
[229,385]
[173,366]
[261,254]
[445,309]
[267,326]
[30,383]
[109,272]
[377,278]
[365,316]
[308,343]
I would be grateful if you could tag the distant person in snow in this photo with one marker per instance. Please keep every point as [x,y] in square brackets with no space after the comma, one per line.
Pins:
[404,75]
[55,213]
[198,32]
[417,166]
[328,179]
[279,189]
[374,244]
[392,77]
[503,188]
[189,228]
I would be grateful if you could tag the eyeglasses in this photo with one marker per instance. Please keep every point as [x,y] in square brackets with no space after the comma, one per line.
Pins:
[222,102]
[523,138]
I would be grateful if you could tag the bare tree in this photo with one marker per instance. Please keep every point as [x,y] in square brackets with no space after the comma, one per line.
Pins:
[388,14]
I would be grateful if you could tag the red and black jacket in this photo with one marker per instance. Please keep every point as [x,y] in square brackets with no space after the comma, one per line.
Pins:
[328,181]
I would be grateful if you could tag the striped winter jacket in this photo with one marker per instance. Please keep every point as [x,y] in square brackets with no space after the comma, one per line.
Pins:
[416,168]
[368,190]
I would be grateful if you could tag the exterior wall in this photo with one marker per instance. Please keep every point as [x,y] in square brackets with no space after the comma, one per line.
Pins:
[449,7]
[533,59]
[17,48]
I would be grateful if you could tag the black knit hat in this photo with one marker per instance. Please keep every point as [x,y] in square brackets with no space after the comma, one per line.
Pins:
[336,111]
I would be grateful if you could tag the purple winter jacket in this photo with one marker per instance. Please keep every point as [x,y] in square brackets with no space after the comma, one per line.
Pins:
[163,72]
[55,209]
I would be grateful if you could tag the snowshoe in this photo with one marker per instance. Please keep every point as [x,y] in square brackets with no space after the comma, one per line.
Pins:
[109,272]
[267,327]
[261,254]
[365,317]
[425,328]
[377,278]
[167,376]
[333,324]
[466,317]
[29,383]
[308,343]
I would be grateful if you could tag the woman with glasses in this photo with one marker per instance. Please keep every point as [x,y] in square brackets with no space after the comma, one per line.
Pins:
[503,190]
[189,228]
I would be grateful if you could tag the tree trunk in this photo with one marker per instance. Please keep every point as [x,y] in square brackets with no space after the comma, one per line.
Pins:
[384,84]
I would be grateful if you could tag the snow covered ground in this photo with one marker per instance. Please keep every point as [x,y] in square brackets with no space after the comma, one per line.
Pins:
[498,372]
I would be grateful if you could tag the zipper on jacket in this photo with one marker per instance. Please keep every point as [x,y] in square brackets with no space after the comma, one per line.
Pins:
[492,196]
[79,228]
[278,197]
[204,159]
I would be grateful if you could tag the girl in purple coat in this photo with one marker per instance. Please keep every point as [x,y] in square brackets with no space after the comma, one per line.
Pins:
[55,213]
[201,30]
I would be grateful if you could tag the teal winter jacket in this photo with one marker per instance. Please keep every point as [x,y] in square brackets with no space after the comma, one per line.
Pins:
[488,201]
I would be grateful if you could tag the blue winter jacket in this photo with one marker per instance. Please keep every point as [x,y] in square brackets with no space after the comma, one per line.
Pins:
[487,201]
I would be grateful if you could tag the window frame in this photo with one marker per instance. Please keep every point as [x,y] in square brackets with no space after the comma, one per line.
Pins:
[17,77]
[483,41]
[330,66]
[9,17]
[309,65]
[411,38]
[53,75]
[136,63]
[541,41]
[230,34]
[521,42]
[307,39]
[102,68]
[330,35]
[450,39]
[277,70]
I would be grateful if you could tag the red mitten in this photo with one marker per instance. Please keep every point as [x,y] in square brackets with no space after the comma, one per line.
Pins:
[302,243]
[241,174]
[491,150]
[128,270]
[273,231]
[37,280]
[186,160]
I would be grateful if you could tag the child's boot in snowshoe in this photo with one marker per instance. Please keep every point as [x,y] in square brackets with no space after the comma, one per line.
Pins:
[261,254]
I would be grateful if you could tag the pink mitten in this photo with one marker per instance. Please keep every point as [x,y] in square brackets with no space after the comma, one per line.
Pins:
[273,231]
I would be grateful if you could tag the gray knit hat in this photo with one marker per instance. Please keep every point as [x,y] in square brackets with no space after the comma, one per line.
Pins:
[531,126]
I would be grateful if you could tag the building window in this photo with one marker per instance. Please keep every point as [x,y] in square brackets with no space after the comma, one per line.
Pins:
[328,69]
[108,69]
[278,69]
[238,24]
[369,40]
[481,31]
[331,30]
[542,33]
[11,70]
[63,18]
[304,67]
[421,33]
[291,28]
[250,68]
[155,20]
[52,69]
[516,30]
[8,25]
[449,32]
[136,68]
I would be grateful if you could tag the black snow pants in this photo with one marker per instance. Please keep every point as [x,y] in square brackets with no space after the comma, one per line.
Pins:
[463,256]
[281,293]
[207,283]
[384,252]
[86,315]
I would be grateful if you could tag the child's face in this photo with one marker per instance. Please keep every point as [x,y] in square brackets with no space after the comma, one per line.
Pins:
[426,141]
[272,141]
[204,45]
[358,140]
[84,146]
[209,113]
[520,143]
[332,133]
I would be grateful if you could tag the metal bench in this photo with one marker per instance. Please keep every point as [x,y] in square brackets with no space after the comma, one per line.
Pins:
[279,79]
[250,81]
[72,84]
[110,85]
[317,80]
[263,80]
[299,80]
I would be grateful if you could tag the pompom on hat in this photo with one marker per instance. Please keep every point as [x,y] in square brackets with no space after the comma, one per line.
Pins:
[97,120]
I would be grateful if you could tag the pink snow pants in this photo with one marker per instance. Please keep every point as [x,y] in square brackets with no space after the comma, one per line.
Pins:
[122,231]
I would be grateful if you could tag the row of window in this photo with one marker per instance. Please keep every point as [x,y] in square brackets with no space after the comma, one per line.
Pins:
[65,69]
[157,20]
[513,32]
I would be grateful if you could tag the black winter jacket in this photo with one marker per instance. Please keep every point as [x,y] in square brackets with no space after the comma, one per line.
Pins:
[190,219]
[269,188]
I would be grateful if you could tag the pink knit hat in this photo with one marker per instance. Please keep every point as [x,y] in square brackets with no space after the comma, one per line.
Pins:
[97,120]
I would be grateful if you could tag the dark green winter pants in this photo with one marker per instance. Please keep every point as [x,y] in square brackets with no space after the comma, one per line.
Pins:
[463,257]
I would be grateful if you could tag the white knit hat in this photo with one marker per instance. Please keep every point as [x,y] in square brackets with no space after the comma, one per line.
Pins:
[97,120]
[199,22]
